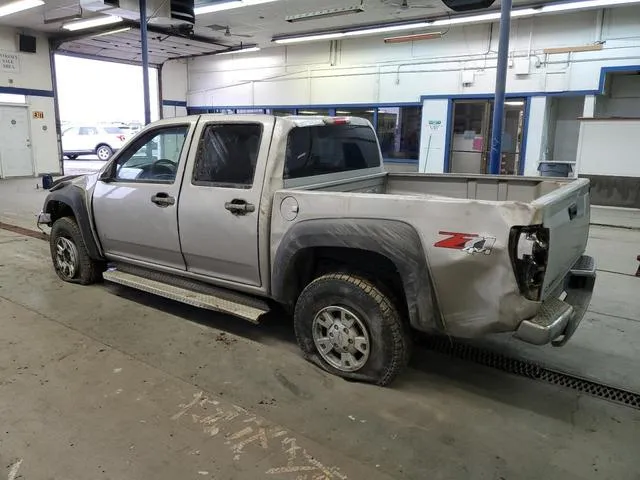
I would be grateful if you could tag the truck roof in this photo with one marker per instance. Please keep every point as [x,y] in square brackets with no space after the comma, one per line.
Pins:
[297,120]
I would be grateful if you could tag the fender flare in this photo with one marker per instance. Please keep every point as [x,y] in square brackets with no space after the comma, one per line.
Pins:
[74,198]
[399,242]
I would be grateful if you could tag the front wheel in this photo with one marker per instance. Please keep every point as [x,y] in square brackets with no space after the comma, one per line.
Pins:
[104,152]
[69,254]
[350,328]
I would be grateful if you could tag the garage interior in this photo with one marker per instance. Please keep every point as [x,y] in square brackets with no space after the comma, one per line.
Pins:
[105,381]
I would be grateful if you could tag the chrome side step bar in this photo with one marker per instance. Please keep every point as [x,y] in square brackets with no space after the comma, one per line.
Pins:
[207,301]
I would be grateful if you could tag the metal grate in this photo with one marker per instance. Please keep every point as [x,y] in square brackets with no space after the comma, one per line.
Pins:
[524,368]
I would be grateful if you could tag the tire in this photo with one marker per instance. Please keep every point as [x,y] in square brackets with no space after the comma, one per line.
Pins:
[69,254]
[360,311]
[72,157]
[104,152]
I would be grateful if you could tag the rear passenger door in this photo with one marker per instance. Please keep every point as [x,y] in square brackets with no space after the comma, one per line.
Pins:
[220,199]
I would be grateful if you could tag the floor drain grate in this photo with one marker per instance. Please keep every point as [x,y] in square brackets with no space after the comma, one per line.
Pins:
[528,369]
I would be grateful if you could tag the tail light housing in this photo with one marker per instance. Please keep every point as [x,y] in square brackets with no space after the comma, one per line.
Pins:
[529,252]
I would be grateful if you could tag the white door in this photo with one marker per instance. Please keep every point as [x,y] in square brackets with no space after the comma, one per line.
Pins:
[15,147]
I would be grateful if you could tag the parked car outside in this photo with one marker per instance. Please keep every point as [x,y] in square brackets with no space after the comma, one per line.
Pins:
[100,140]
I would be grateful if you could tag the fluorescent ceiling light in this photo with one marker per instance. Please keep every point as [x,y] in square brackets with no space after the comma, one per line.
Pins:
[413,38]
[462,20]
[240,50]
[92,22]
[327,13]
[111,32]
[515,103]
[19,6]
[307,112]
[220,7]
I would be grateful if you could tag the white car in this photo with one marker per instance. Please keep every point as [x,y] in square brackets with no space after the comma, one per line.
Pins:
[94,139]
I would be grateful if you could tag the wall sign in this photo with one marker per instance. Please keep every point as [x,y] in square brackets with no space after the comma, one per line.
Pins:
[39,115]
[9,62]
[434,125]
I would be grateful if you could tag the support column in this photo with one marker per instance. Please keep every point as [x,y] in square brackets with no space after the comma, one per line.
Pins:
[501,80]
[145,61]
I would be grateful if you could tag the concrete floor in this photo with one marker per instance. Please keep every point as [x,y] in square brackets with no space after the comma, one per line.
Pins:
[105,382]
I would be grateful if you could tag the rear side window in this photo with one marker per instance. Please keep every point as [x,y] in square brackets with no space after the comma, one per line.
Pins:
[115,130]
[227,155]
[330,149]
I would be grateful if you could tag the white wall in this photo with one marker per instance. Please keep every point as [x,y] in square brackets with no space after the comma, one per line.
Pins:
[434,135]
[609,147]
[34,73]
[367,71]
[174,88]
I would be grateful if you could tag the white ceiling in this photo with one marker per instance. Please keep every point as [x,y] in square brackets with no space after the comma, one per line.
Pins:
[255,24]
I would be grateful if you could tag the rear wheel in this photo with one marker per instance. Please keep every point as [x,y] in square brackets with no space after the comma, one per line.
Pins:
[104,152]
[350,328]
[72,157]
[69,254]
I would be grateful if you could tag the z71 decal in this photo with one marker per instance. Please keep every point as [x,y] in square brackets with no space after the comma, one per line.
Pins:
[467,242]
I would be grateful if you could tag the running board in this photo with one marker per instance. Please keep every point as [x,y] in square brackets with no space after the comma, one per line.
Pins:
[190,297]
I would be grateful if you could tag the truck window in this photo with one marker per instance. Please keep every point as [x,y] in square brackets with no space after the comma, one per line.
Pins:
[227,155]
[320,150]
[153,157]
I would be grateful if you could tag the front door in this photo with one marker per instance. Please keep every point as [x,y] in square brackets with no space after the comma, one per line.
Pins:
[136,207]
[15,143]
[220,200]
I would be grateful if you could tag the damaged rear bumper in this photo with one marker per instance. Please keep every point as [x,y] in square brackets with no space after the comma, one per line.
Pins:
[558,319]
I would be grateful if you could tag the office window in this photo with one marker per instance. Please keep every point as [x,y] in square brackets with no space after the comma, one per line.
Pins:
[251,111]
[314,111]
[228,154]
[399,132]
[281,112]
[366,113]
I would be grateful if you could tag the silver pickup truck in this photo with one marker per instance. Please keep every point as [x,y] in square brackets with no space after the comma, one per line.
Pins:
[243,213]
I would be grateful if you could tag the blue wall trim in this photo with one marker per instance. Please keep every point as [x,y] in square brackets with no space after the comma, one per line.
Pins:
[27,91]
[326,106]
[174,103]
[523,142]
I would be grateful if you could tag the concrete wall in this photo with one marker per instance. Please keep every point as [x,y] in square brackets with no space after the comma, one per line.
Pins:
[174,88]
[367,71]
[32,77]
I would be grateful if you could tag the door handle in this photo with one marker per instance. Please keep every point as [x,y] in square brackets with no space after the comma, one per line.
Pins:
[239,207]
[163,199]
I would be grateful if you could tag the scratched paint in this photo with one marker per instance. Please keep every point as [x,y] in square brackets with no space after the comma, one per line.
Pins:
[244,432]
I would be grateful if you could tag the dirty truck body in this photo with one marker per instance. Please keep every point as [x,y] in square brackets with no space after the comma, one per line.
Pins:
[238,213]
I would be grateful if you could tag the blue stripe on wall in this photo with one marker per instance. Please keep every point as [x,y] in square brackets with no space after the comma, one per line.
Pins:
[27,91]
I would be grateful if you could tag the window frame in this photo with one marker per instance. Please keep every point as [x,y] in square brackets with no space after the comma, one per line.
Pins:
[237,186]
[112,169]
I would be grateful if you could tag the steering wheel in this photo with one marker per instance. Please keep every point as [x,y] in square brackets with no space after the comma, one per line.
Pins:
[163,169]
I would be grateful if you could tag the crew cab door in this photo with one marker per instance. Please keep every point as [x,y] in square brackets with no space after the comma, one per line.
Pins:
[135,202]
[219,206]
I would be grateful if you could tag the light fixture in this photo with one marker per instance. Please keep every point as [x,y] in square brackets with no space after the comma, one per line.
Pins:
[326,13]
[457,20]
[220,7]
[111,32]
[92,22]
[413,38]
[19,6]
[307,112]
[514,103]
[240,50]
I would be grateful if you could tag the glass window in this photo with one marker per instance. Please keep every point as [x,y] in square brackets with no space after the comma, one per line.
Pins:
[113,130]
[281,112]
[399,132]
[12,98]
[330,149]
[252,111]
[366,113]
[88,131]
[153,157]
[228,154]
[314,111]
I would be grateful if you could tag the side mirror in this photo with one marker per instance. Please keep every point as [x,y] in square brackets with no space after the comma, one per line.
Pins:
[106,175]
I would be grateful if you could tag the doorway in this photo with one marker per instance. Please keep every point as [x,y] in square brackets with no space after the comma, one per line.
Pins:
[15,149]
[471,136]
